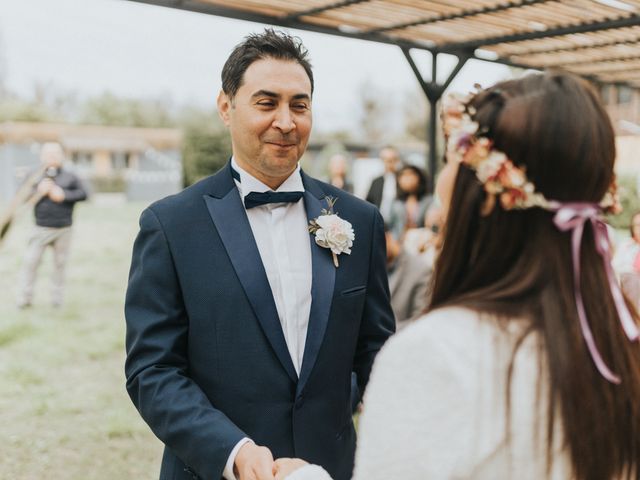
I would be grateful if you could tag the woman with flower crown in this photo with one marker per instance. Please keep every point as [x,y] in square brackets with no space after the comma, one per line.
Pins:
[527,365]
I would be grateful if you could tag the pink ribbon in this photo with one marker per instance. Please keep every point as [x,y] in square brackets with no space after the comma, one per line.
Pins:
[572,217]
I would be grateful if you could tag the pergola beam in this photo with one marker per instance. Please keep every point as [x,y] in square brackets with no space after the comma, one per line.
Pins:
[286,22]
[592,61]
[315,11]
[465,14]
[576,48]
[630,21]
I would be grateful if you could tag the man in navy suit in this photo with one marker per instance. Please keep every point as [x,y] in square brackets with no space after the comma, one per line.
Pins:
[242,332]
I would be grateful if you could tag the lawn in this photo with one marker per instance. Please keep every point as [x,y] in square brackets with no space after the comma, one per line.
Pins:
[64,411]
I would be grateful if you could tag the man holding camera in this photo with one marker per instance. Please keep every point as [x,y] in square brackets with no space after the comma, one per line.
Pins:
[55,196]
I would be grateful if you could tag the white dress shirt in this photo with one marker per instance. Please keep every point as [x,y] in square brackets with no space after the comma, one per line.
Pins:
[281,234]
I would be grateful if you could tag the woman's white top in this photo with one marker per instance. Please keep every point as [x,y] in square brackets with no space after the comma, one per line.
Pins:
[435,407]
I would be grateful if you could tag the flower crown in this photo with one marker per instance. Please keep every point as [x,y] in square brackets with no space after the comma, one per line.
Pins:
[501,178]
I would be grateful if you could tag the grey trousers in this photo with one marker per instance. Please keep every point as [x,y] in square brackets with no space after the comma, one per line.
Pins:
[59,239]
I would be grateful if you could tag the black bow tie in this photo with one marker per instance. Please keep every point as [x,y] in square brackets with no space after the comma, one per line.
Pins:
[255,199]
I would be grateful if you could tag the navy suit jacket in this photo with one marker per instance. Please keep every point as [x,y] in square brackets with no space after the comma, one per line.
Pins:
[207,363]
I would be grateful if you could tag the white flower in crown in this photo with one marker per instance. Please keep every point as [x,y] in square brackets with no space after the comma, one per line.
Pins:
[490,166]
[333,232]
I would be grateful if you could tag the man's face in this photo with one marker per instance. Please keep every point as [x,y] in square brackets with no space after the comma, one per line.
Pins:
[269,118]
[52,155]
[390,159]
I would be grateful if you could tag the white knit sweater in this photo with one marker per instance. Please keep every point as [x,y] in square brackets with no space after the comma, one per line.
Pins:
[435,407]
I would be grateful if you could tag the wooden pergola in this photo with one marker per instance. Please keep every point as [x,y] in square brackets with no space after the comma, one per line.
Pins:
[597,39]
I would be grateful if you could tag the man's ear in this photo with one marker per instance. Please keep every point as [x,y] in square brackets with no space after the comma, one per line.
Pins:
[224,106]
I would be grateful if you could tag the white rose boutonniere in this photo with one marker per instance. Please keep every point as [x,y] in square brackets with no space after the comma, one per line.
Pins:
[332,232]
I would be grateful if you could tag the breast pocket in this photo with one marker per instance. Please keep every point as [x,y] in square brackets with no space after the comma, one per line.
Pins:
[354,291]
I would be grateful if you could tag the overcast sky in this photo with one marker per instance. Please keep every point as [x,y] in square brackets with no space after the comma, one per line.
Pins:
[136,50]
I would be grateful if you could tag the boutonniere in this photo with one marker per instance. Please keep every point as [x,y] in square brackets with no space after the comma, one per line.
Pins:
[332,232]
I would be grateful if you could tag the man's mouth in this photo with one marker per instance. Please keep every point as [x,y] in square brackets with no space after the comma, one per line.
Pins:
[282,145]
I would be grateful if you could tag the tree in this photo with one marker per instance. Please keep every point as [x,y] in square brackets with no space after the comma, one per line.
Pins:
[109,109]
[416,114]
[629,199]
[205,150]
[375,111]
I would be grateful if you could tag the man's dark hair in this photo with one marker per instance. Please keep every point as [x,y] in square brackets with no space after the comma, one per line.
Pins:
[268,44]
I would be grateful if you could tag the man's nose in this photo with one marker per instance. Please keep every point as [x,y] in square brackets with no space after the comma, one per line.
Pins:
[284,121]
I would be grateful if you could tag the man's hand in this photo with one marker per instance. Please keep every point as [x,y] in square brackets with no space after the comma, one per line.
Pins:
[286,466]
[44,186]
[56,194]
[254,463]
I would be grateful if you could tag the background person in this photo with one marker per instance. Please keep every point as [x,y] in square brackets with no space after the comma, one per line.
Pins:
[409,210]
[409,281]
[383,190]
[338,173]
[59,190]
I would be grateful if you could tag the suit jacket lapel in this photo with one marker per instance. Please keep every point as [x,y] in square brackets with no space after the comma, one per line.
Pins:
[322,284]
[230,218]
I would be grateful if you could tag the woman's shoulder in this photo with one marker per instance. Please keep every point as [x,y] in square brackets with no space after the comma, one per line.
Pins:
[447,329]
[451,332]
[442,322]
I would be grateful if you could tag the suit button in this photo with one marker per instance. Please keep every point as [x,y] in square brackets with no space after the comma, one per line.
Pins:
[299,402]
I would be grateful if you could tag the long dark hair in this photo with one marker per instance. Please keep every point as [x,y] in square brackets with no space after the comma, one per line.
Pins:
[517,264]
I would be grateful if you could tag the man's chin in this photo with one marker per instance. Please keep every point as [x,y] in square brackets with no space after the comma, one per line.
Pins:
[283,164]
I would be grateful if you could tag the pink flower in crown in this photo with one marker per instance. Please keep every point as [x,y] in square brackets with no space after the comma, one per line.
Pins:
[509,199]
[512,176]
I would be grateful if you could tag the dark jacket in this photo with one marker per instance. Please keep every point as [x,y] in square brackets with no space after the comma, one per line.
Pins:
[375,191]
[58,215]
[207,363]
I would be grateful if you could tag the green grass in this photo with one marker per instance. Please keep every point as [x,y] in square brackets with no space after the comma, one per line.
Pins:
[64,412]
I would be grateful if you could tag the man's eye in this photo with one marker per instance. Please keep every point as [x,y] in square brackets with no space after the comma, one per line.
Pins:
[266,104]
[300,106]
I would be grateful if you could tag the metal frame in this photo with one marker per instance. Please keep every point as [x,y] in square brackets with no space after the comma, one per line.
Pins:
[464,51]
[433,92]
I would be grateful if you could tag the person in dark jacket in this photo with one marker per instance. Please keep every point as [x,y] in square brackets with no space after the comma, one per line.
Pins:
[382,192]
[57,193]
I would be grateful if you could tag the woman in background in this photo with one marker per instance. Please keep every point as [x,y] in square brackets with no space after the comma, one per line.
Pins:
[409,209]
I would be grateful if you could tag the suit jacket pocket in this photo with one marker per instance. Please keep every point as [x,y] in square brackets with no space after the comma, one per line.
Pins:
[345,427]
[351,292]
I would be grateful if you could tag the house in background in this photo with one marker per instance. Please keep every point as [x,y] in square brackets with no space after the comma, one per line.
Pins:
[623,105]
[144,163]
